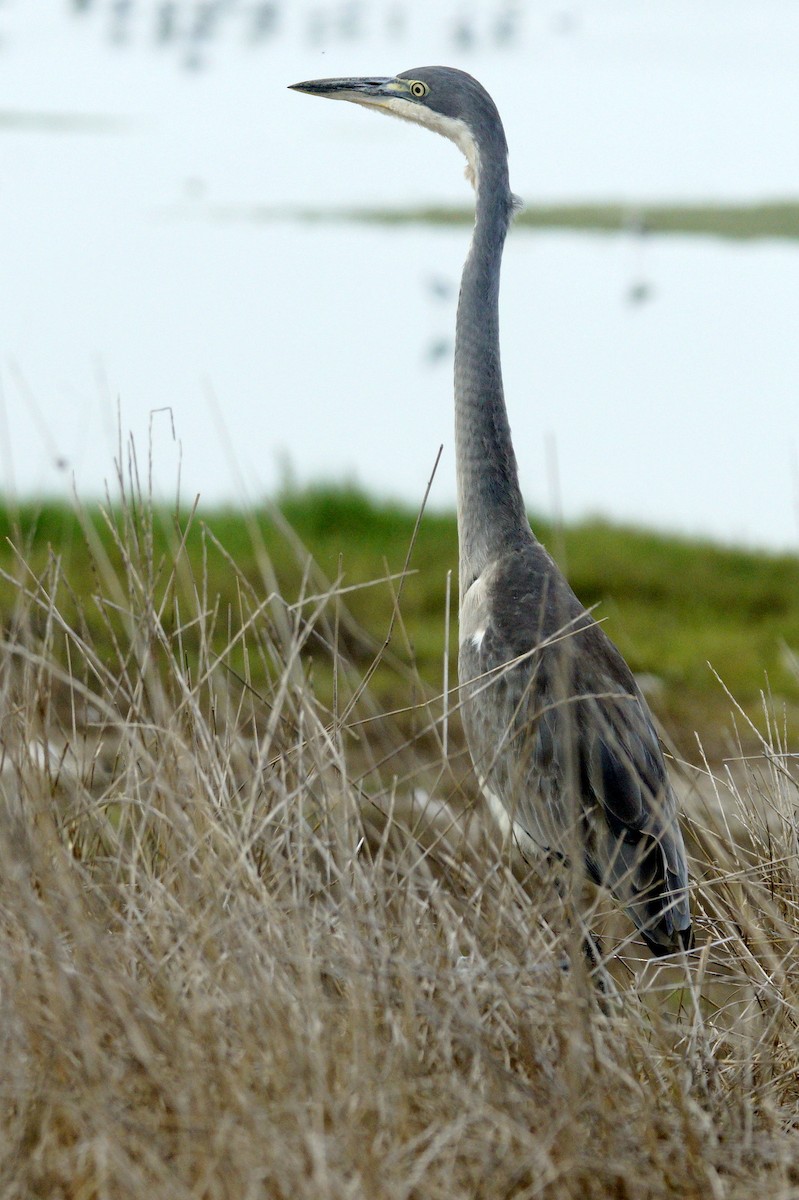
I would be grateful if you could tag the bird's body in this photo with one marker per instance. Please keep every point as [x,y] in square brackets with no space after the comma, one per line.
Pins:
[560,736]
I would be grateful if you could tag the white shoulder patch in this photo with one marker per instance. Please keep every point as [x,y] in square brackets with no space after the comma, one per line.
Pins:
[530,848]
[473,613]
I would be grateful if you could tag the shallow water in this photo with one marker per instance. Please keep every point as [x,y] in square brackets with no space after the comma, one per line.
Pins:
[661,373]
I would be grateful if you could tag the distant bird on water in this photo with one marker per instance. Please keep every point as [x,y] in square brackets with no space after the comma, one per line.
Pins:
[560,735]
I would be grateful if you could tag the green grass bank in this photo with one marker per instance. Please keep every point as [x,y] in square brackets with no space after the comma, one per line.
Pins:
[691,617]
[766,219]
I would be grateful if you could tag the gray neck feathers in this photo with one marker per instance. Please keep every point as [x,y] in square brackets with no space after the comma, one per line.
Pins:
[491,513]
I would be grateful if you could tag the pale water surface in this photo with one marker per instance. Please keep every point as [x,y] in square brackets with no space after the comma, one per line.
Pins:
[661,373]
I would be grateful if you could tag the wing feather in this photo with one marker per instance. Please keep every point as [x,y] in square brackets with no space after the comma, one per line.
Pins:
[563,736]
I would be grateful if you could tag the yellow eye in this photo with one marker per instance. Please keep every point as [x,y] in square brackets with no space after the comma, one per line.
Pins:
[419,89]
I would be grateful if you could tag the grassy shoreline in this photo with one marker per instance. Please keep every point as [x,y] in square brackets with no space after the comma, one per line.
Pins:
[764,219]
[691,617]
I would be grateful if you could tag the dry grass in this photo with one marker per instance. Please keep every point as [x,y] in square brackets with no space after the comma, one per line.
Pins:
[255,948]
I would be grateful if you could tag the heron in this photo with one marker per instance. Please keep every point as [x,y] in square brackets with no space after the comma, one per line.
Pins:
[560,736]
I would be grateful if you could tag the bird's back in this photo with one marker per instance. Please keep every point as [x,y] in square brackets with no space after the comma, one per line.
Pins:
[562,738]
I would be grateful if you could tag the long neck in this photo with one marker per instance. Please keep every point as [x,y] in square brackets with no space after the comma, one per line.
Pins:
[490,508]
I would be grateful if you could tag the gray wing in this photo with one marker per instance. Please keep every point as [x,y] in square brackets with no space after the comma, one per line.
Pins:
[561,735]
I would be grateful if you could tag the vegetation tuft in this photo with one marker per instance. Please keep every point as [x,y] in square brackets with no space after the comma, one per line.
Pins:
[259,938]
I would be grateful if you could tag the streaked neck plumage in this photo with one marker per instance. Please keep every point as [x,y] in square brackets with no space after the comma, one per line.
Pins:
[491,514]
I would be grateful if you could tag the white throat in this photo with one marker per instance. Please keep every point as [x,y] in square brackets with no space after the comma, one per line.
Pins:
[449,127]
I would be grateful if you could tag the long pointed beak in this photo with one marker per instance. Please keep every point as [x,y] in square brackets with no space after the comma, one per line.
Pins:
[361,91]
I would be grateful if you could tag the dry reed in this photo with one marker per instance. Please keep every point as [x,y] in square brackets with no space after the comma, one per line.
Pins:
[252,947]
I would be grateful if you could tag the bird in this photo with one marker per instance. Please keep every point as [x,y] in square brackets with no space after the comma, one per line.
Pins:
[560,736]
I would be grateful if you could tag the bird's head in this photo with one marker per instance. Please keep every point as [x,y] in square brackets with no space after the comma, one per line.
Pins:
[443,99]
